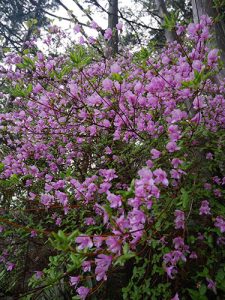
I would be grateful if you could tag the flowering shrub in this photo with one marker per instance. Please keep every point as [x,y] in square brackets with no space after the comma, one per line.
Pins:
[115,167]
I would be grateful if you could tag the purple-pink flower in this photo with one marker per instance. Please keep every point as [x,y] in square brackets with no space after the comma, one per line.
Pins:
[172,147]
[113,244]
[211,285]
[115,200]
[179,219]
[86,266]
[161,177]
[176,297]
[115,68]
[119,26]
[10,266]
[212,57]
[84,241]
[220,223]
[83,292]
[155,153]
[38,274]
[74,280]
[204,209]
[108,34]
[103,263]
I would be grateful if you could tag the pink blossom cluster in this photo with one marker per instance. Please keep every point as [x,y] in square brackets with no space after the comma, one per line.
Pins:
[63,138]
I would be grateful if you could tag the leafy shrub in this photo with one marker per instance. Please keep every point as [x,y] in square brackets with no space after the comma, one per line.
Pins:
[114,167]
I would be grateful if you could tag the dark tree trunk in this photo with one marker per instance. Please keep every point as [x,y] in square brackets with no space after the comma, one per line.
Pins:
[112,21]
[206,7]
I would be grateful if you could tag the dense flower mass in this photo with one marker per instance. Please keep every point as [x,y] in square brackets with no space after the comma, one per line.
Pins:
[117,148]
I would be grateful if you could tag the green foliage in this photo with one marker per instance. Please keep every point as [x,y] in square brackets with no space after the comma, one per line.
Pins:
[21,91]
[170,20]
[126,256]
[80,57]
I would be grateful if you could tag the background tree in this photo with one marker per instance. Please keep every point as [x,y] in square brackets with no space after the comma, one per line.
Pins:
[112,22]
[216,10]
[16,25]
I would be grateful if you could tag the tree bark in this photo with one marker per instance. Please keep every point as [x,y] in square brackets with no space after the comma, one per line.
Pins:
[206,7]
[161,7]
[112,21]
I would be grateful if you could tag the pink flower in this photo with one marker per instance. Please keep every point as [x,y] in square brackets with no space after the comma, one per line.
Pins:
[108,150]
[94,25]
[211,285]
[155,153]
[103,263]
[197,118]
[109,174]
[207,186]
[192,29]
[176,297]
[209,156]
[198,102]
[38,274]
[37,89]
[197,65]
[113,244]
[83,292]
[108,34]
[179,219]
[81,40]
[91,40]
[161,177]
[149,163]
[180,29]
[62,197]
[107,84]
[171,271]
[86,266]
[119,26]
[32,196]
[115,200]
[204,209]
[176,162]
[137,218]
[220,223]
[178,242]
[174,133]
[84,241]
[58,221]
[47,199]
[115,68]
[98,241]
[178,115]
[172,147]
[193,255]
[175,174]
[74,280]
[33,233]
[217,192]
[77,28]
[89,221]
[104,187]
[10,266]
[40,56]
[212,56]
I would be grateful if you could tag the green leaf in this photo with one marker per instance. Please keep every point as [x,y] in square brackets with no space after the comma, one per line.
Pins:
[202,289]
[170,20]
[79,57]
[184,198]
[1,167]
[117,77]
